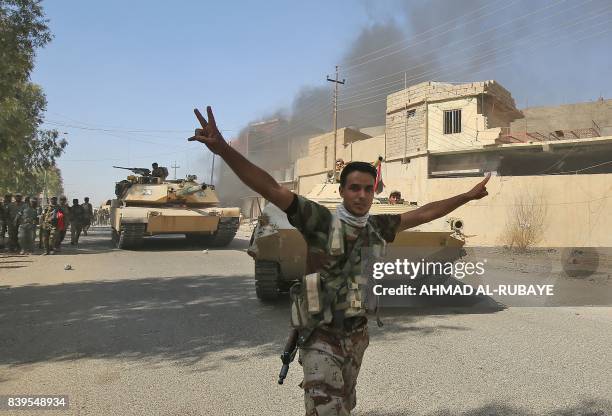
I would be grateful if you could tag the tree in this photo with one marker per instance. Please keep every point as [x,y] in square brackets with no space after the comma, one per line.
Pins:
[25,150]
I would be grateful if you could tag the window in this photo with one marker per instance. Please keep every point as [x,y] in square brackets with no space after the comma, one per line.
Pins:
[410,113]
[452,121]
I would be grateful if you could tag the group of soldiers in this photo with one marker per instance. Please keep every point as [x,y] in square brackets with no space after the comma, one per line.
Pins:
[21,218]
[101,216]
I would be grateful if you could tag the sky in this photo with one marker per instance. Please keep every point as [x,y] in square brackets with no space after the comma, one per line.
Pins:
[122,78]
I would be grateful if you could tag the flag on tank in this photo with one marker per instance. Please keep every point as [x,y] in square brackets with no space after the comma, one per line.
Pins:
[378,184]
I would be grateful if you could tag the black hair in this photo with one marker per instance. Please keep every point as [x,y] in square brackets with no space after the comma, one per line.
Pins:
[396,194]
[350,167]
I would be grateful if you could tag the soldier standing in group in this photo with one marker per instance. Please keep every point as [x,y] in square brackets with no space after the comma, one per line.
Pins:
[159,171]
[26,221]
[4,219]
[62,227]
[332,341]
[89,215]
[77,219]
[49,223]
[13,209]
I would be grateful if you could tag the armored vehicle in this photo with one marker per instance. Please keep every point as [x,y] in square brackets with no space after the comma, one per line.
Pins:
[148,205]
[279,250]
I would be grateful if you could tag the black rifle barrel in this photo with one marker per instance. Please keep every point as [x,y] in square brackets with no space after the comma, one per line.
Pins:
[288,354]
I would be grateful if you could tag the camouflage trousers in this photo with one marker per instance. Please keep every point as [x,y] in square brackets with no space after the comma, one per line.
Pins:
[25,236]
[3,228]
[331,363]
[75,232]
[13,244]
[50,236]
[59,238]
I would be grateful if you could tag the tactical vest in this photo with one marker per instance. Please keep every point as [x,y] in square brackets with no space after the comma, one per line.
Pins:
[339,291]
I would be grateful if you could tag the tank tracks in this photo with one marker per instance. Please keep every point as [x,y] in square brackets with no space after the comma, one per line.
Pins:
[130,235]
[226,231]
[267,274]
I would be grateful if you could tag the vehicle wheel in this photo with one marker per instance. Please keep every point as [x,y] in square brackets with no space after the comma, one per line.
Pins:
[130,235]
[225,232]
[267,275]
[115,238]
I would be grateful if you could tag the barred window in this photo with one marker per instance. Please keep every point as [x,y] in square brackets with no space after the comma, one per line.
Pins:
[452,121]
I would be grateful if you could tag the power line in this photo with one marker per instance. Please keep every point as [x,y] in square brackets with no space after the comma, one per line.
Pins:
[433,29]
[491,53]
[351,67]
[357,84]
[531,46]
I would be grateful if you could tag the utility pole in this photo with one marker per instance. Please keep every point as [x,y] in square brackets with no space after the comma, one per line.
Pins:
[175,167]
[212,169]
[336,83]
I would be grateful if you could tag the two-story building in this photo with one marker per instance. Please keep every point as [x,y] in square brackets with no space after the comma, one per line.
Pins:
[551,166]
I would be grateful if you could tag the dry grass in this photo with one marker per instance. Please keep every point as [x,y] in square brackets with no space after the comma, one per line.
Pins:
[526,221]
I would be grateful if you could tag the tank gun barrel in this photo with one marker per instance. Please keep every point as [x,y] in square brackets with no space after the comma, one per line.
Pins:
[189,190]
[138,171]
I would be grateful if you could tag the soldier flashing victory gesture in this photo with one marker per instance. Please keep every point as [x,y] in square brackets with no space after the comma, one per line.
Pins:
[333,335]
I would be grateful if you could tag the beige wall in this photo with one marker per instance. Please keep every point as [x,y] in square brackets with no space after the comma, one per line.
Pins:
[405,132]
[306,183]
[366,150]
[578,207]
[321,151]
[408,178]
[471,123]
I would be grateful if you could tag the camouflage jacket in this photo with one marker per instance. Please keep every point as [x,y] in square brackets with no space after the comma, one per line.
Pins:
[315,223]
[77,214]
[88,210]
[48,218]
[14,209]
[27,215]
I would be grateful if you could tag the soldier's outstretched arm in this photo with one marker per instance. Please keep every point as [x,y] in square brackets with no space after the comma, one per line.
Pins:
[253,176]
[437,209]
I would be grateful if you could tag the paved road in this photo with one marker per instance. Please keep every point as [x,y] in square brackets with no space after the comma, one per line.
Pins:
[173,330]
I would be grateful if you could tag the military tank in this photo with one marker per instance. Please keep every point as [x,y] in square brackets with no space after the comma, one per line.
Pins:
[279,250]
[148,205]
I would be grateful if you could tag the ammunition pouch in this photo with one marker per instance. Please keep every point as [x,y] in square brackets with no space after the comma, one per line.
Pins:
[320,299]
[310,306]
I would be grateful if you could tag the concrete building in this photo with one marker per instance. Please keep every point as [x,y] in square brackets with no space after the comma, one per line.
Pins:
[552,166]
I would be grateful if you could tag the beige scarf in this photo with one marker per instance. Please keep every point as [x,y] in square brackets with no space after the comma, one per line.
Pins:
[351,219]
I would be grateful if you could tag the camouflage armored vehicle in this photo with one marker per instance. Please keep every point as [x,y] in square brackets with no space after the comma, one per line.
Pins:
[147,205]
[279,250]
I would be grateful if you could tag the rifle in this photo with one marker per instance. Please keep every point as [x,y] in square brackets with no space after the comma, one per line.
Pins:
[137,171]
[288,354]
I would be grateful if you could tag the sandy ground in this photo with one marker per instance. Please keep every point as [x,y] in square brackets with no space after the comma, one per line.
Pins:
[171,329]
